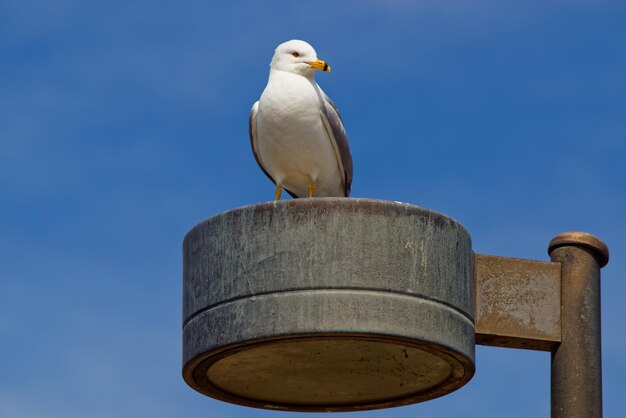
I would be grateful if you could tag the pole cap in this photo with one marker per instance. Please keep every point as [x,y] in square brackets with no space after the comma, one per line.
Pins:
[582,239]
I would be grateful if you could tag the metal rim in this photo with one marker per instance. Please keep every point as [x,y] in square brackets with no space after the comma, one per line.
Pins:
[325,203]
[195,373]
[582,239]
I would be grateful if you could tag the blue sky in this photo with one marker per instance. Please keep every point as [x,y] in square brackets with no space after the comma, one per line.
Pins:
[124,123]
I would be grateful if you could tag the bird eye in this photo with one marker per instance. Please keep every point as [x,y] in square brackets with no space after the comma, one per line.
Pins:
[295,54]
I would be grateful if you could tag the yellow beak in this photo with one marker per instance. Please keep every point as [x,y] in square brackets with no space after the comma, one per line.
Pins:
[319,65]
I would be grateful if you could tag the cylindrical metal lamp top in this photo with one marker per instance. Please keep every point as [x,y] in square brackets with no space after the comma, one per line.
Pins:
[328,304]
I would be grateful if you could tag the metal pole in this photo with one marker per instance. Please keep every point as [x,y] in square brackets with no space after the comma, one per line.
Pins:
[576,377]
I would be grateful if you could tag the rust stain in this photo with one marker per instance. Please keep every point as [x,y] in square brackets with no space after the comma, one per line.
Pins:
[518,302]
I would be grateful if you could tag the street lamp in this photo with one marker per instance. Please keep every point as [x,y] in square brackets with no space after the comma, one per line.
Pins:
[337,304]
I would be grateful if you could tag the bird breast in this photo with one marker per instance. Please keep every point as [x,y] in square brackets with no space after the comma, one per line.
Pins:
[292,140]
[290,101]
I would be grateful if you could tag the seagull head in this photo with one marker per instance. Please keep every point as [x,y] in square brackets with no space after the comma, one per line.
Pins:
[297,57]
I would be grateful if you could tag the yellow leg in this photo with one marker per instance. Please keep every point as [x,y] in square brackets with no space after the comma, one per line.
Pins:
[311,188]
[279,190]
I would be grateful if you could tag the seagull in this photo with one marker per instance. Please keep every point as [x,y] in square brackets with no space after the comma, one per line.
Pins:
[296,132]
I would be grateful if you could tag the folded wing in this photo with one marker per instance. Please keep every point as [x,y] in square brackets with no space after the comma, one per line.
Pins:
[337,133]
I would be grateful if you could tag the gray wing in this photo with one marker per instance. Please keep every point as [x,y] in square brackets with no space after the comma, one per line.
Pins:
[339,139]
[255,145]
[253,138]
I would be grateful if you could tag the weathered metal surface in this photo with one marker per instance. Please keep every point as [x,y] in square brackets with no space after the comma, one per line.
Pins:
[518,302]
[582,239]
[576,378]
[336,365]
[328,304]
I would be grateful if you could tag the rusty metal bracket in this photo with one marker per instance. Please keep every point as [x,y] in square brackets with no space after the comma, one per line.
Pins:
[549,306]
[518,302]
